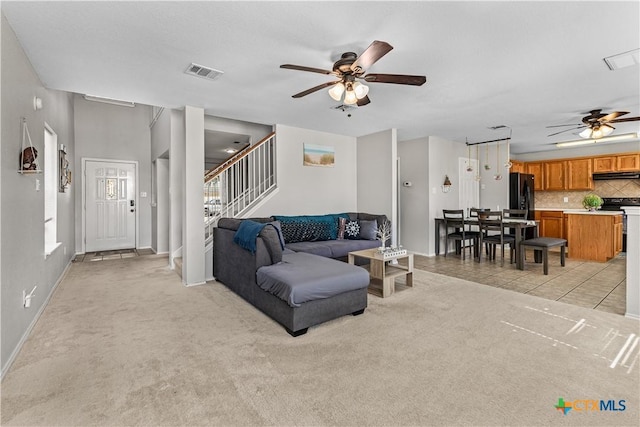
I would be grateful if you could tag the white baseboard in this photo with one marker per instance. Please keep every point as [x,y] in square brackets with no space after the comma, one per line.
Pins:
[26,334]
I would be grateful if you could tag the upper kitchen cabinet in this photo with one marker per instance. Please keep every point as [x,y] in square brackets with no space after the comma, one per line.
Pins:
[517,166]
[621,163]
[628,162]
[537,170]
[579,173]
[554,175]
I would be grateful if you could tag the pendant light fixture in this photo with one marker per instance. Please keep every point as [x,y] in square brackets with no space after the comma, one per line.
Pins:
[478,177]
[508,163]
[487,166]
[497,176]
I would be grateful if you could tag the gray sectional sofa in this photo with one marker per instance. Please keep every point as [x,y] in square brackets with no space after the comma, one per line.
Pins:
[304,283]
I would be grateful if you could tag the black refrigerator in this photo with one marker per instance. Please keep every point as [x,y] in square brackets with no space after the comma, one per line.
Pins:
[521,196]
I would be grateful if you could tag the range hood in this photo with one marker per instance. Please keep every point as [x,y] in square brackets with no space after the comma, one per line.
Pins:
[616,175]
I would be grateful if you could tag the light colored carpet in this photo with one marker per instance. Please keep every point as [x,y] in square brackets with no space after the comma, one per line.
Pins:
[123,343]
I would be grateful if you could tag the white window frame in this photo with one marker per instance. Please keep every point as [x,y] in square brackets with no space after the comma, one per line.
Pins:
[50,191]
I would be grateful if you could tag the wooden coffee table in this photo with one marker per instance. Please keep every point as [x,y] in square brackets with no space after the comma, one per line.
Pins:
[383,274]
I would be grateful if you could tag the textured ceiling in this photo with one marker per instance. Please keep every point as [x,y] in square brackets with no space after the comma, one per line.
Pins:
[525,65]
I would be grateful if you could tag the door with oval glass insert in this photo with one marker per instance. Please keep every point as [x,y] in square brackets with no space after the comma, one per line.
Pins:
[110,205]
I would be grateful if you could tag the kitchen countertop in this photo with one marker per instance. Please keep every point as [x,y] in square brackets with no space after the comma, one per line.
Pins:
[582,211]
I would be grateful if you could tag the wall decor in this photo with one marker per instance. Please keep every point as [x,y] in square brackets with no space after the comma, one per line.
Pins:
[63,168]
[28,153]
[318,155]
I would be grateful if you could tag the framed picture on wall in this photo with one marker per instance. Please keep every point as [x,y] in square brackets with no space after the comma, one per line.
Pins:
[318,155]
[63,167]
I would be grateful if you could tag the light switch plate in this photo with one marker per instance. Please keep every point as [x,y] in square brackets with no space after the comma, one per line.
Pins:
[565,199]
[143,194]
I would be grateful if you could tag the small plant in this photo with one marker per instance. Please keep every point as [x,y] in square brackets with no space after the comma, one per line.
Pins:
[592,201]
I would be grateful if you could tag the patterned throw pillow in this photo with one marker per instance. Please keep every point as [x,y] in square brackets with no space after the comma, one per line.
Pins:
[307,228]
[342,222]
[352,230]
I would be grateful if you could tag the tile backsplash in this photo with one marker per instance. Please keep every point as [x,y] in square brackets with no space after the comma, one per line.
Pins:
[609,188]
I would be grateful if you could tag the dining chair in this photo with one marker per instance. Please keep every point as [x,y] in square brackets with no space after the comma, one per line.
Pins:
[455,226]
[473,215]
[492,234]
[514,214]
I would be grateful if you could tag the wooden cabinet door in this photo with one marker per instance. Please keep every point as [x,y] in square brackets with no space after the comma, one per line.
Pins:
[579,173]
[554,175]
[552,224]
[617,235]
[628,162]
[604,164]
[537,170]
[517,166]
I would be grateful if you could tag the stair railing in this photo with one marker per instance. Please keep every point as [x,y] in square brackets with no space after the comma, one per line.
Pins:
[236,185]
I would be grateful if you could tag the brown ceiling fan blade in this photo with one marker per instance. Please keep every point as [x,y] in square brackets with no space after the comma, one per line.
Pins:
[375,51]
[400,79]
[628,119]
[612,116]
[363,101]
[557,126]
[315,89]
[303,68]
[566,130]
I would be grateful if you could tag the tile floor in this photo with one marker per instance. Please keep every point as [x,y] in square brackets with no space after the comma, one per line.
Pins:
[600,286]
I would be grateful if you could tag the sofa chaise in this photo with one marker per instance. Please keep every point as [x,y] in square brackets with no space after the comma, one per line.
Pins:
[304,283]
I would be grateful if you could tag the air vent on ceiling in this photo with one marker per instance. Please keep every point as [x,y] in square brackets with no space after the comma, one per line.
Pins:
[202,71]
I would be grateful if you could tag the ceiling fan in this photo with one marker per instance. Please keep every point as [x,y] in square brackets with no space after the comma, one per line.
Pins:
[597,124]
[350,68]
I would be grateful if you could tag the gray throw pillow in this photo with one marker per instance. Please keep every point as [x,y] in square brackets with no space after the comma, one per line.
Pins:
[368,229]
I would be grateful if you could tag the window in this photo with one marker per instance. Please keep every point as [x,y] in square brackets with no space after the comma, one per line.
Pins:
[50,191]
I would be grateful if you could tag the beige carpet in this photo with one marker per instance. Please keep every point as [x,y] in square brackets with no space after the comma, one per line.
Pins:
[123,343]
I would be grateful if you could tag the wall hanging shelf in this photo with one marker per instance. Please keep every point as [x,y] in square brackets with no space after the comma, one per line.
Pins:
[28,154]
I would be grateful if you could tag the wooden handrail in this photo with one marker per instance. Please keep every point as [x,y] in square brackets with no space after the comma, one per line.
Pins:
[212,173]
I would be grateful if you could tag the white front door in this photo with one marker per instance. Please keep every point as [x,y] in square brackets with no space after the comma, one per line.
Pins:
[110,205]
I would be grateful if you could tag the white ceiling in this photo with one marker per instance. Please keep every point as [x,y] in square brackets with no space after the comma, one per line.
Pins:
[525,65]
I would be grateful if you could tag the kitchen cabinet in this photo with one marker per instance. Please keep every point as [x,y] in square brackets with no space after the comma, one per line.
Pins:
[554,175]
[629,162]
[551,224]
[579,173]
[617,234]
[517,166]
[594,237]
[537,170]
[604,164]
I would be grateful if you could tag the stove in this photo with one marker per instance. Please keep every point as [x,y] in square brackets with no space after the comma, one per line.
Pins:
[615,204]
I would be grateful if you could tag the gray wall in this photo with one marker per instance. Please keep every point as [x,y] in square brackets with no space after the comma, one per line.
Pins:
[310,190]
[377,176]
[22,262]
[105,131]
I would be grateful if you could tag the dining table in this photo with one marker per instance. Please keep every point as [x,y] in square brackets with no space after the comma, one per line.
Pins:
[518,224]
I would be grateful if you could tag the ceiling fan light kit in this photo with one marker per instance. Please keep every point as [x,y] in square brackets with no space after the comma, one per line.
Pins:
[596,132]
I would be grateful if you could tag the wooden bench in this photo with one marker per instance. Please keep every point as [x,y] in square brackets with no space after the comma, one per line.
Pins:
[543,244]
